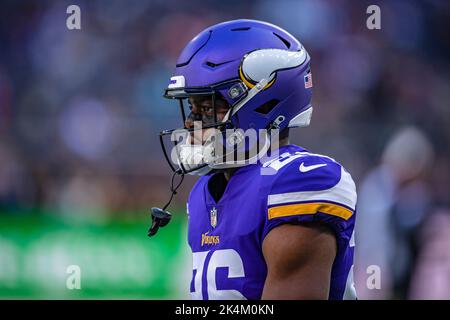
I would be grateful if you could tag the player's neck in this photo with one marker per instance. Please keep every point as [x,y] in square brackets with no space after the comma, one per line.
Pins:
[229,172]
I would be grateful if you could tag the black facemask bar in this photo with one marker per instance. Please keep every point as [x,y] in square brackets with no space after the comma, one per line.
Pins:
[215,124]
[234,89]
[161,217]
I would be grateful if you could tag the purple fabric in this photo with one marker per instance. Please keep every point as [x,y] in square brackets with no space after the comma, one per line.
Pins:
[243,224]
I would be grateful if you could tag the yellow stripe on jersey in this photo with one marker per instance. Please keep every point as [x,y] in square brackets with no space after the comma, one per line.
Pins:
[310,208]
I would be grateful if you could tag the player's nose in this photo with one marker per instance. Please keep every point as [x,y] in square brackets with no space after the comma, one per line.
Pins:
[191,118]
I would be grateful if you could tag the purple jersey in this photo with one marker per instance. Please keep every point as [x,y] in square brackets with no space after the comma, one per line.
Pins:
[226,236]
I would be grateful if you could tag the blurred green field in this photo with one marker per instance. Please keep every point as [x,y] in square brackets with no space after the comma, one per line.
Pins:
[116,258]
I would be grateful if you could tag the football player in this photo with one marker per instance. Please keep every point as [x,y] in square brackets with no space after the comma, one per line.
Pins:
[278,227]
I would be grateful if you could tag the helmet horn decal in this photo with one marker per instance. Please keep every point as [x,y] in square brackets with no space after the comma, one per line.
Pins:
[264,63]
[258,69]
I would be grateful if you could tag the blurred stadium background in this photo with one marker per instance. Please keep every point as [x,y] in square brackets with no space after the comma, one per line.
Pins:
[80,162]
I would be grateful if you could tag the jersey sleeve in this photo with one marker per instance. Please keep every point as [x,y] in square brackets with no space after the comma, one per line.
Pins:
[312,189]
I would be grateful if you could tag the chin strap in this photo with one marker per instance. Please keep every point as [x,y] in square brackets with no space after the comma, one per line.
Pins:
[161,217]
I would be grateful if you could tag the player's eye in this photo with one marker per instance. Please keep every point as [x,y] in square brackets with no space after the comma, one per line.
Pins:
[208,110]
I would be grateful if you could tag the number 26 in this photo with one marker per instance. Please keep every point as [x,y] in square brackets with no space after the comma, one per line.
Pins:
[228,258]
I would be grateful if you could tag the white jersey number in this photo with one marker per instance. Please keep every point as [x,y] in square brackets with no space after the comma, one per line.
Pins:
[228,258]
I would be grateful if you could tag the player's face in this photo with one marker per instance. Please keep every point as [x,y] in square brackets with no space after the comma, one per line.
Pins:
[202,110]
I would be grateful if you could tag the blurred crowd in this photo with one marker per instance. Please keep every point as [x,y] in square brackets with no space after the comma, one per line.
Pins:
[80,111]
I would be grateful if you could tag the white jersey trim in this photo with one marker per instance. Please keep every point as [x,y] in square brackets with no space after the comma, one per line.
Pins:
[344,192]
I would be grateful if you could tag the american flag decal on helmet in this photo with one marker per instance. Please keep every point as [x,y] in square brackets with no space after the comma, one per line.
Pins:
[308,80]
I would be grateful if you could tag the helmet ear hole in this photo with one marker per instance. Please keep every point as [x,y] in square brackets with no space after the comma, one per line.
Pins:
[267,107]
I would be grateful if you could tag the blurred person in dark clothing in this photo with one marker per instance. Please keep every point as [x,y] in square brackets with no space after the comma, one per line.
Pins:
[394,200]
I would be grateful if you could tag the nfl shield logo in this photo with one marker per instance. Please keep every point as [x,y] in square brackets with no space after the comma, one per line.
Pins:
[213,213]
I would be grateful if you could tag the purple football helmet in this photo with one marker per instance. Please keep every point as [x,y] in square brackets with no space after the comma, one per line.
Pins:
[261,70]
